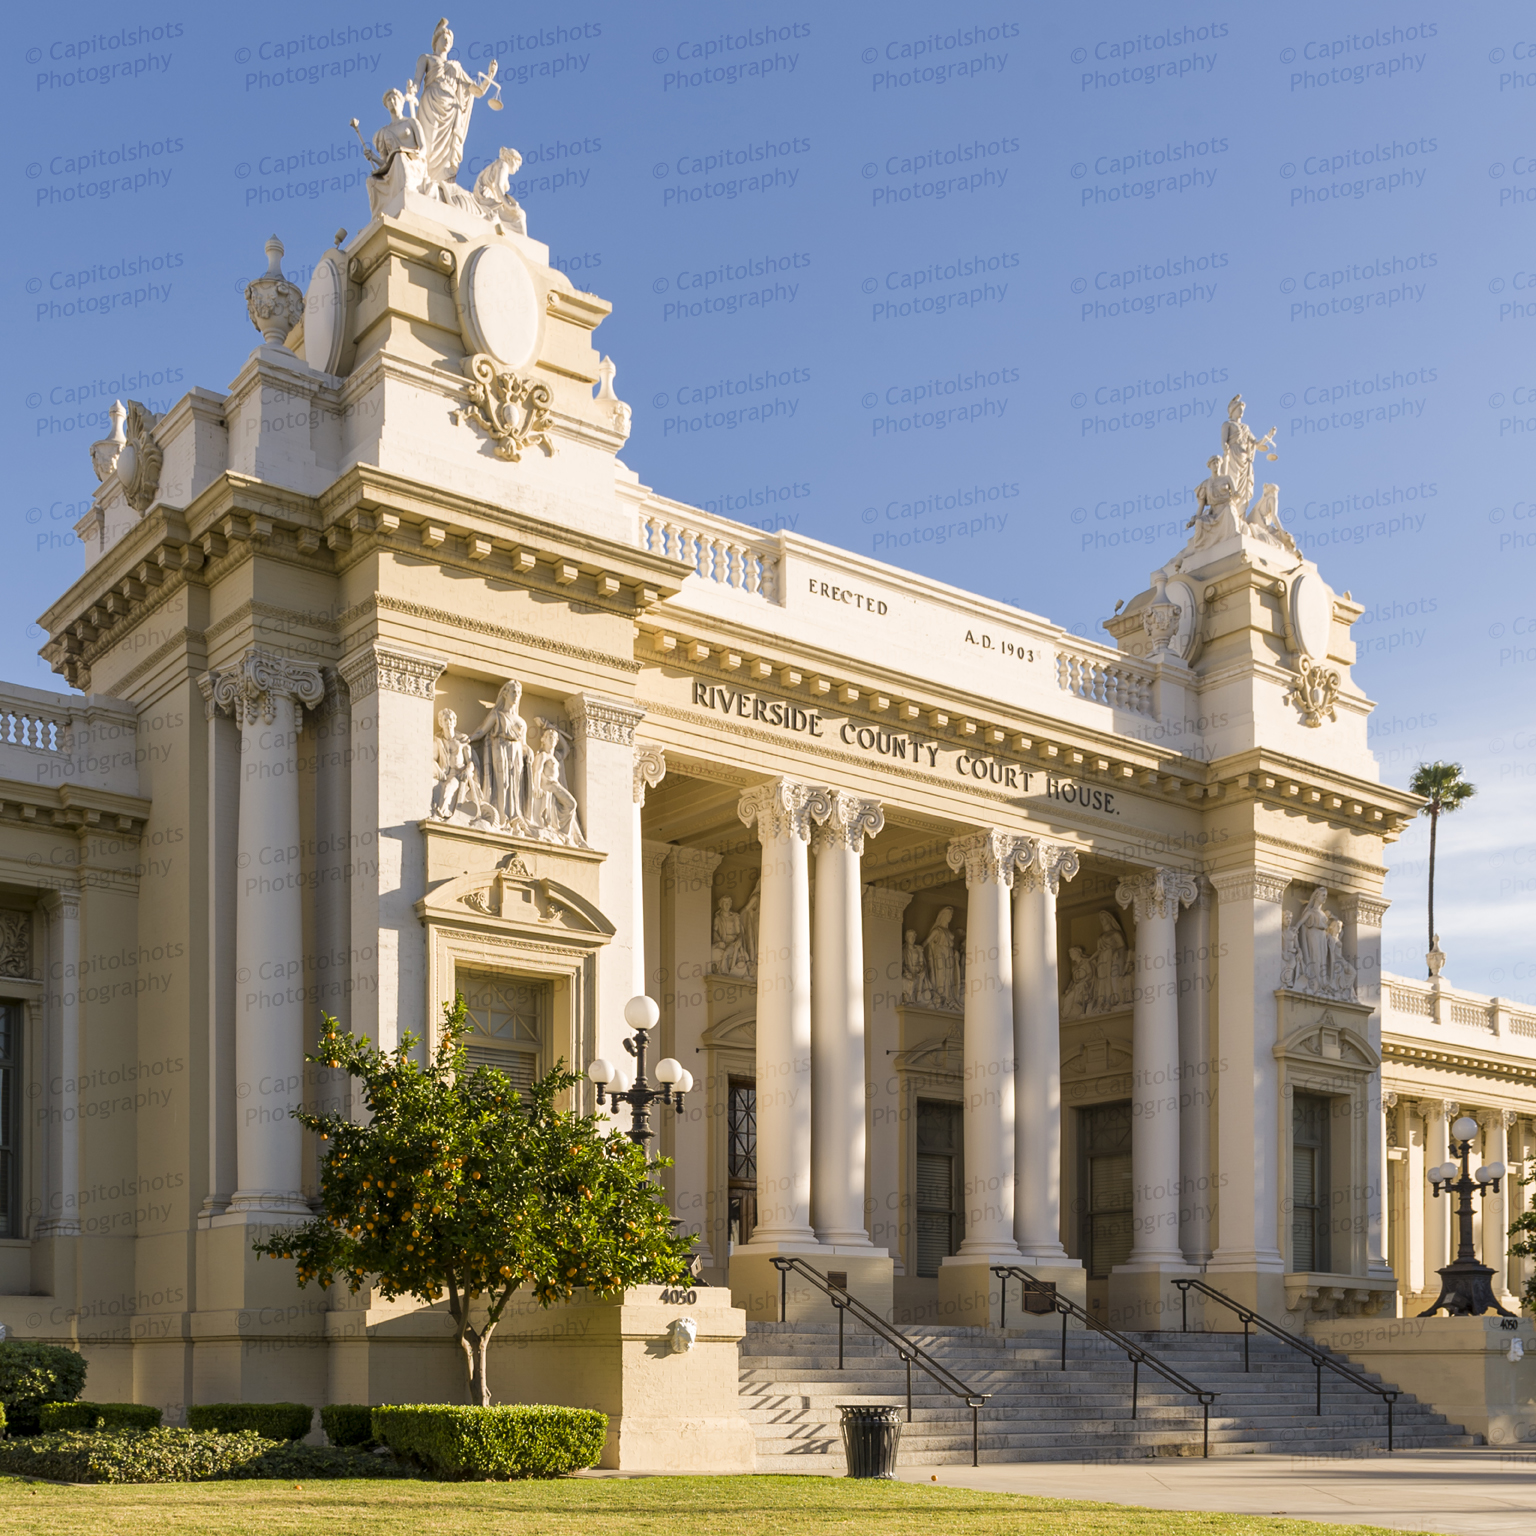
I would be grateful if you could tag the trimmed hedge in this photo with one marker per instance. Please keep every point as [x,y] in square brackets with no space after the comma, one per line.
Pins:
[518,1440]
[348,1424]
[133,1456]
[32,1374]
[274,1421]
[298,1463]
[109,1416]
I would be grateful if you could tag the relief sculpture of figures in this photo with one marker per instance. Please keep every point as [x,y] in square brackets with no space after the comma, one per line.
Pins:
[734,949]
[942,966]
[1103,981]
[1312,958]
[914,973]
[507,785]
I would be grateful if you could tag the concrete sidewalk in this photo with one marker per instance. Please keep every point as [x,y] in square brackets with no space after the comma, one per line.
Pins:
[1482,1492]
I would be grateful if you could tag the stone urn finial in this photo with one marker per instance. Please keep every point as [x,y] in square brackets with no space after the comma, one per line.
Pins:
[1435,959]
[1161,618]
[273,303]
[105,453]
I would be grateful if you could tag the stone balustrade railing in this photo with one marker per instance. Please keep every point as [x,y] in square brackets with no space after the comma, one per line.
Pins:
[1104,677]
[26,723]
[719,550]
[1413,1006]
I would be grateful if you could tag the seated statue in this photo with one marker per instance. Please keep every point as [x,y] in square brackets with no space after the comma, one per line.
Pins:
[493,191]
[397,155]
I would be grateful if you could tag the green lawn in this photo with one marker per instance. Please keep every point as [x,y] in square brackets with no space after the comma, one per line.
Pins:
[656,1506]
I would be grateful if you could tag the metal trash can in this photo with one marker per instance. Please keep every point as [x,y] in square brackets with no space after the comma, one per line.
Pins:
[871,1438]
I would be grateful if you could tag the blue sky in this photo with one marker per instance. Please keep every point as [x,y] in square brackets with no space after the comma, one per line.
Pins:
[1007,268]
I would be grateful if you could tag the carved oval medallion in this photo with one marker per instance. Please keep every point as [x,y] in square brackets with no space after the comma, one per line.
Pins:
[1312,614]
[325,313]
[498,306]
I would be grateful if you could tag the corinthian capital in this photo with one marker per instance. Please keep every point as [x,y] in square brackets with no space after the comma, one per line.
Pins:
[650,769]
[850,820]
[1156,893]
[1039,865]
[784,809]
[253,690]
[986,857]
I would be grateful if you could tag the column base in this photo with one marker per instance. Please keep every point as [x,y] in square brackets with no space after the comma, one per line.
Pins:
[270,1205]
[1145,1298]
[970,1295]
[756,1283]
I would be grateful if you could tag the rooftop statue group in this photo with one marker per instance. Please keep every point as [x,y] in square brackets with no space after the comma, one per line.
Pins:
[421,147]
[496,778]
[1224,502]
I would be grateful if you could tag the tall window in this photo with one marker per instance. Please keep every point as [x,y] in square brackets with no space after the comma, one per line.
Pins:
[1106,1183]
[10,1119]
[939,1141]
[1309,1183]
[741,1157]
[509,1024]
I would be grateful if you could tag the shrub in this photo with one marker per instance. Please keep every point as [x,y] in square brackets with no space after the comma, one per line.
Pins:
[32,1374]
[109,1416]
[348,1424]
[297,1463]
[512,1441]
[133,1456]
[274,1421]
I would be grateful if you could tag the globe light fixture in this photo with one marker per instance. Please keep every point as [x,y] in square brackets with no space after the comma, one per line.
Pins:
[1466,1288]
[642,1015]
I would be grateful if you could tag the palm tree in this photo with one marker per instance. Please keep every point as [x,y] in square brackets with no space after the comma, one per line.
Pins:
[1443,787]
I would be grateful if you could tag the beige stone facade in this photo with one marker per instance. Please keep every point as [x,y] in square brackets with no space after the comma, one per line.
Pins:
[984,944]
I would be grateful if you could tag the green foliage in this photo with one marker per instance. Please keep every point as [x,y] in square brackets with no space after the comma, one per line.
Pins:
[515,1441]
[32,1374]
[300,1463]
[132,1456]
[1442,785]
[347,1423]
[57,1416]
[273,1421]
[456,1186]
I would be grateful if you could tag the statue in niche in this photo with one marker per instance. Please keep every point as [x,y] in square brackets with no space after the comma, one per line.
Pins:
[1077,1000]
[750,914]
[507,758]
[457,781]
[493,191]
[448,97]
[1290,952]
[942,967]
[1104,980]
[960,958]
[727,956]
[552,807]
[1312,928]
[1114,966]
[913,972]
[1312,955]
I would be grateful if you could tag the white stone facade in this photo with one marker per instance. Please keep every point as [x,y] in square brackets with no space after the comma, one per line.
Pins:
[421,690]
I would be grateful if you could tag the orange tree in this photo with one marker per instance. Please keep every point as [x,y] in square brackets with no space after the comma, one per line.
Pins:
[457,1186]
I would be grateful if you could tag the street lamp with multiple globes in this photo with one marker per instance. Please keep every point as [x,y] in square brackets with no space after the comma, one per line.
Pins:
[641,1014]
[1465,1285]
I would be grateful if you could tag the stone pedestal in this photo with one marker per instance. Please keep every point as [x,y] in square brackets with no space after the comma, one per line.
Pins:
[755,1283]
[1460,1365]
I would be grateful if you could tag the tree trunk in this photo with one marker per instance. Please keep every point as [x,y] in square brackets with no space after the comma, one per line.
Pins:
[479,1380]
[1434,821]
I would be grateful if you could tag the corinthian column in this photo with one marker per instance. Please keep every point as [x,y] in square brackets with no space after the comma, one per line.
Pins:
[1156,896]
[266,694]
[783,812]
[837,1024]
[1039,869]
[987,859]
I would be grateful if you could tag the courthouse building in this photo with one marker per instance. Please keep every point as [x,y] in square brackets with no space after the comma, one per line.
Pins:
[983,943]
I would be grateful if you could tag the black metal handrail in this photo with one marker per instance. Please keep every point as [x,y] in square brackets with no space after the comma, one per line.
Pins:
[877,1325]
[1318,1357]
[1137,1355]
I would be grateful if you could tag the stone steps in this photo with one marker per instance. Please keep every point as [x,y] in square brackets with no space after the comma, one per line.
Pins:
[791,1387]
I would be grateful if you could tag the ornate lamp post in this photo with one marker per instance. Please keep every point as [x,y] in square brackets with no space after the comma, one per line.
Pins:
[1465,1285]
[641,1014]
